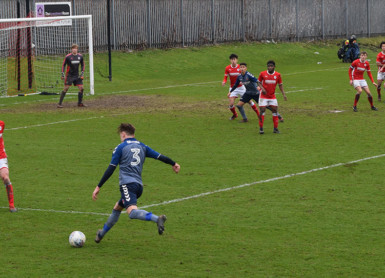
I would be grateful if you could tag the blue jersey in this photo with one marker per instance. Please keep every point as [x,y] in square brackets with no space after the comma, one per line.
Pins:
[130,156]
[248,80]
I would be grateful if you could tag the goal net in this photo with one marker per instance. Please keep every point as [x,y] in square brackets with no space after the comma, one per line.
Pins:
[32,51]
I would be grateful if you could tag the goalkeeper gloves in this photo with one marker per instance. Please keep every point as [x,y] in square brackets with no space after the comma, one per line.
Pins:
[82,75]
[62,75]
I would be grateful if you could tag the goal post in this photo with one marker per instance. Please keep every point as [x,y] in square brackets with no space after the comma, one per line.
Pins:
[32,51]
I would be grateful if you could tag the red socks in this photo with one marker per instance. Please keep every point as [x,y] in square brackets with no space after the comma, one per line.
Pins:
[370,101]
[261,120]
[255,109]
[275,120]
[356,99]
[232,109]
[9,189]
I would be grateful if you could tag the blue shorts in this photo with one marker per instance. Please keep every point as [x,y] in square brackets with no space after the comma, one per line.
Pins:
[249,96]
[130,194]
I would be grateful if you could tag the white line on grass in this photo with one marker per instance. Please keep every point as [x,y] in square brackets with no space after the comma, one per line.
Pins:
[311,71]
[171,86]
[262,181]
[146,89]
[304,90]
[219,190]
[99,117]
[61,211]
[53,123]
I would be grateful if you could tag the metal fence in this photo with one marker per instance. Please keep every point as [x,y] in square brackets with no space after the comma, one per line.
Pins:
[172,23]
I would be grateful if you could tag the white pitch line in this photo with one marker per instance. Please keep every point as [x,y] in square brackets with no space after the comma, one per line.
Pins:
[215,191]
[164,87]
[92,118]
[172,86]
[61,211]
[262,181]
[304,90]
[311,71]
[53,123]
[146,89]
[128,91]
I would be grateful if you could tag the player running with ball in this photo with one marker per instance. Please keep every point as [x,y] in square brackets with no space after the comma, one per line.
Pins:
[130,155]
[356,76]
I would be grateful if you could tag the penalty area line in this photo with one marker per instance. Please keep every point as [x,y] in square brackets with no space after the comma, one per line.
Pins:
[163,87]
[61,211]
[215,191]
[304,90]
[262,181]
[54,123]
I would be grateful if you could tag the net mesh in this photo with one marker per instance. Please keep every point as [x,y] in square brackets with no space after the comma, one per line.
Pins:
[32,54]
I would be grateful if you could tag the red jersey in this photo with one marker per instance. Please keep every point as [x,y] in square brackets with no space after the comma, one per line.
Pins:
[357,69]
[381,59]
[233,73]
[269,82]
[2,150]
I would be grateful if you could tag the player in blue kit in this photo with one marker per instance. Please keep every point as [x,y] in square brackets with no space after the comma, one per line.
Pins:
[130,155]
[251,84]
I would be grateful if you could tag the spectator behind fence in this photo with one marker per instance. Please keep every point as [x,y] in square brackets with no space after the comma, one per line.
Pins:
[353,51]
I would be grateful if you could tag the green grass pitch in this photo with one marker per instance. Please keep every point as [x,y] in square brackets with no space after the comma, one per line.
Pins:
[323,223]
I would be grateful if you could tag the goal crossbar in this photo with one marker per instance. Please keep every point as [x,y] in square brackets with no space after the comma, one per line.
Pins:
[36,21]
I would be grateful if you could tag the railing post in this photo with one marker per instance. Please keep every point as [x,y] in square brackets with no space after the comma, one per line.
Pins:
[296,19]
[270,22]
[181,21]
[323,19]
[113,24]
[368,17]
[212,22]
[243,20]
[346,18]
[148,24]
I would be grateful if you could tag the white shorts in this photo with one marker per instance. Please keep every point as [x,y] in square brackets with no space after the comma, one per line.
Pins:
[3,163]
[361,82]
[267,102]
[380,75]
[238,92]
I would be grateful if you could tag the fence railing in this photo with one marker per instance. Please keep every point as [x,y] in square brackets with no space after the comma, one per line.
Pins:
[171,23]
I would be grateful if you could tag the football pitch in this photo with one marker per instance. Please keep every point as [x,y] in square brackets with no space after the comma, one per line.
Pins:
[308,202]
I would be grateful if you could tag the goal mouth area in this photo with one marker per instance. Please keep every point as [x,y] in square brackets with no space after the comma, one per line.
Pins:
[32,51]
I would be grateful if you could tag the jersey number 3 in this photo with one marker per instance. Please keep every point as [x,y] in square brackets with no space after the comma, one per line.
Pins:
[136,157]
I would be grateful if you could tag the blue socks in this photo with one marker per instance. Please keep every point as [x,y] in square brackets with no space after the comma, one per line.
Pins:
[143,215]
[111,221]
[242,111]
[134,214]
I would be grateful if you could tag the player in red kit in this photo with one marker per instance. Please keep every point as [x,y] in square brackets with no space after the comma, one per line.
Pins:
[4,172]
[232,71]
[356,76]
[380,61]
[270,79]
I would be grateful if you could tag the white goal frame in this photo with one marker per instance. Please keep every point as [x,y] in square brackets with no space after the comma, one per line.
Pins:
[41,20]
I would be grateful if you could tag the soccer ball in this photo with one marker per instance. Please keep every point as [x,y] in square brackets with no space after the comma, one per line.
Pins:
[77,239]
